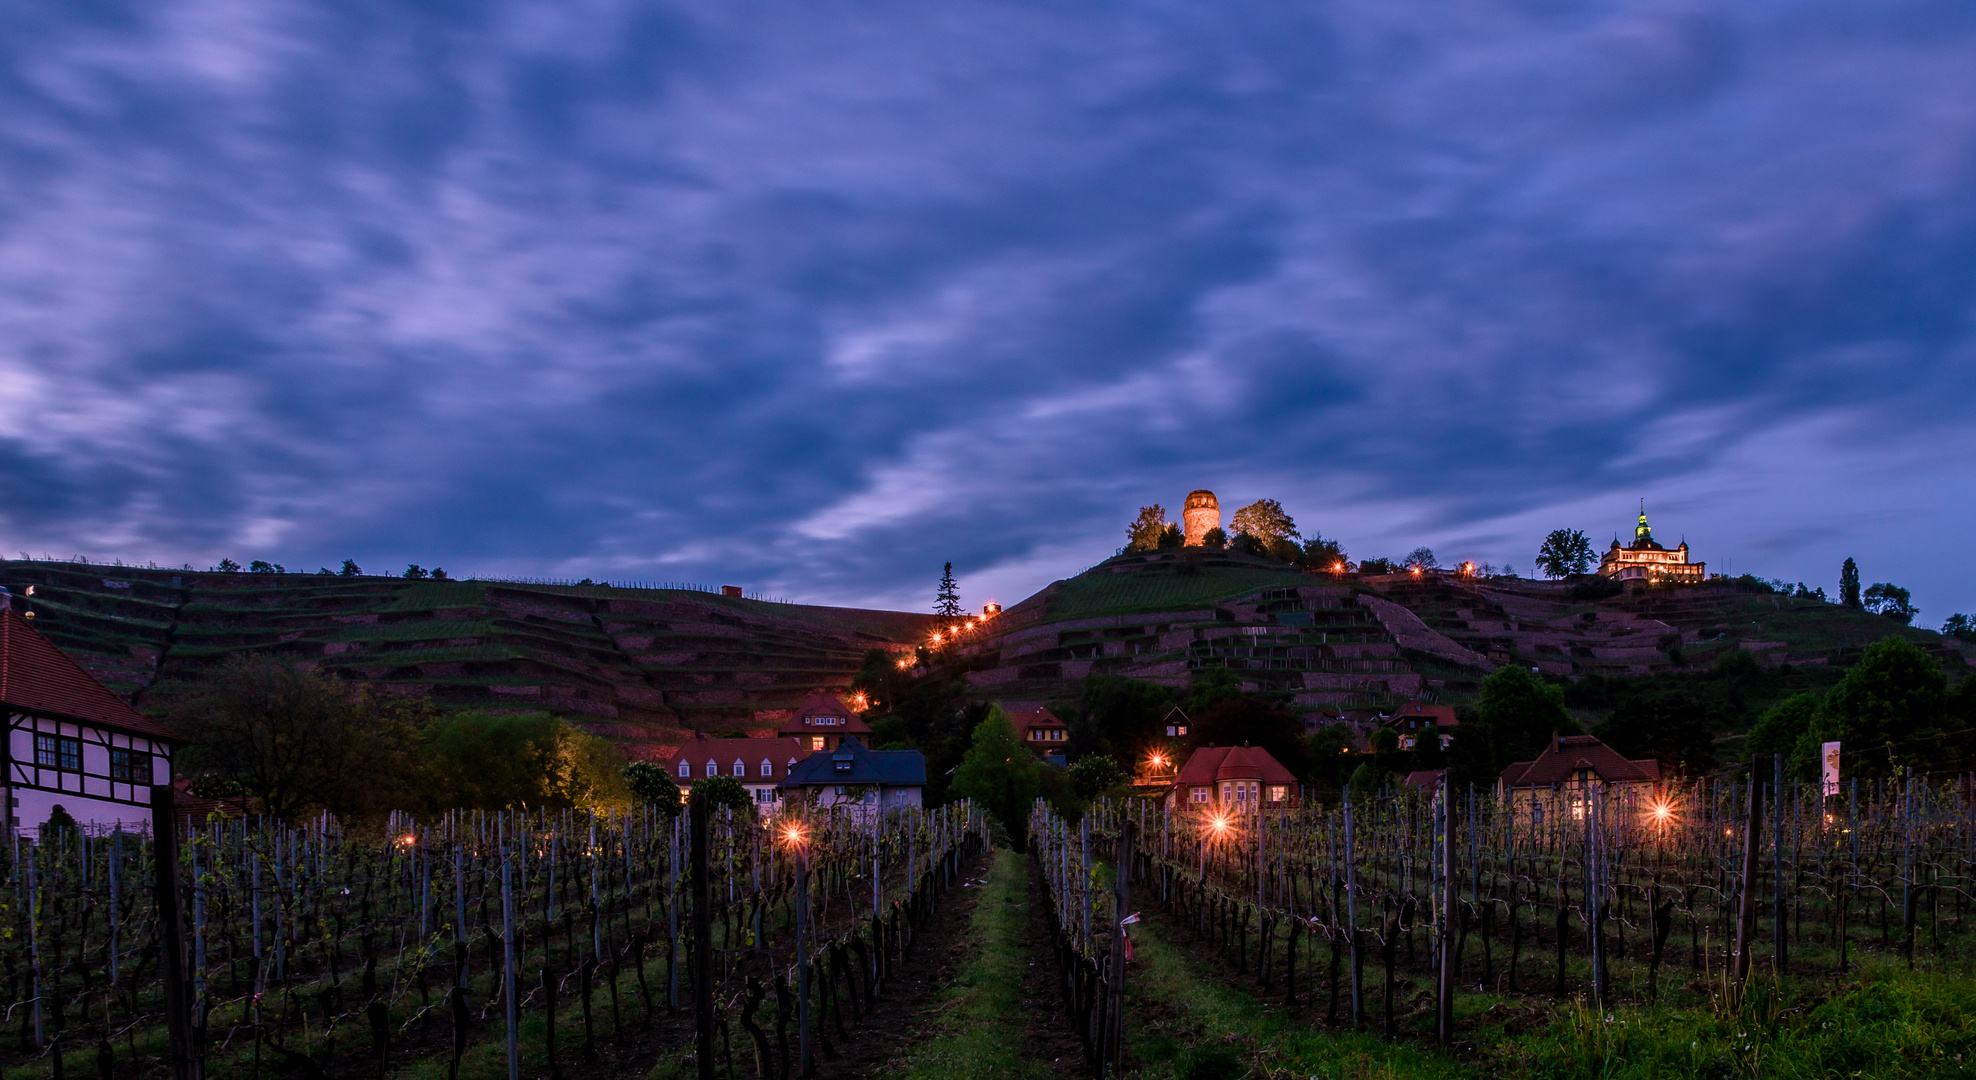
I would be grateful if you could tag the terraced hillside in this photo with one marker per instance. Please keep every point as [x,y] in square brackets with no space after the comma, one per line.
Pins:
[1375,641]
[635,664]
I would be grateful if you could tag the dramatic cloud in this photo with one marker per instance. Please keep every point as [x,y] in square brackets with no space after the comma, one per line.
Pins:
[817,297]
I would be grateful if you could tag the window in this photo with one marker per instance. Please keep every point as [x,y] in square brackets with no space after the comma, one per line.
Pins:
[1278,792]
[685,771]
[58,752]
[713,769]
[739,768]
[1226,793]
[816,742]
[1199,795]
[766,795]
[130,766]
[767,769]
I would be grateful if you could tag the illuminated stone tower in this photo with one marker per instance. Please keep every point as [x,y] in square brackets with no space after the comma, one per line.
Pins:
[1201,514]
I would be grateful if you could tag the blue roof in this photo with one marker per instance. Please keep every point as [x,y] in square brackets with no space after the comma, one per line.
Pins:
[851,763]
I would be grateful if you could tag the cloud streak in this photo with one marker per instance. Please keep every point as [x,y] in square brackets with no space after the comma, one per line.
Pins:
[817,299]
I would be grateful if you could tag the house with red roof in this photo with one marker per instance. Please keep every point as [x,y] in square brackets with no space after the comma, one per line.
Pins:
[1570,769]
[1039,729]
[760,764]
[71,742]
[823,722]
[1424,727]
[1232,779]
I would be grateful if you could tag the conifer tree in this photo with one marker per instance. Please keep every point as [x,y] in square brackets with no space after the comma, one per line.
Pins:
[1849,583]
[947,604]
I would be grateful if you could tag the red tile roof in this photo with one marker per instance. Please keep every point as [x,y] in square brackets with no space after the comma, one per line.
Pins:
[37,677]
[1441,715]
[822,704]
[1037,718]
[1566,754]
[1212,763]
[780,753]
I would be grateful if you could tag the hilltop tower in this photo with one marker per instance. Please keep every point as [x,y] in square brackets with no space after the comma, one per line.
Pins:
[1201,514]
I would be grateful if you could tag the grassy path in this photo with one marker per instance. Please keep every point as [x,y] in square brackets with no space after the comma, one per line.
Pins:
[980,1031]
[1186,1021]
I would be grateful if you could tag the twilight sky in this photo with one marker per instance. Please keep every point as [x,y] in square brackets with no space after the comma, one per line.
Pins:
[813,297]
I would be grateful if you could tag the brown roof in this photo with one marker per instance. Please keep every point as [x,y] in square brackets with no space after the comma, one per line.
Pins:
[1211,763]
[1441,715]
[37,677]
[1035,718]
[1428,781]
[828,706]
[780,753]
[1565,754]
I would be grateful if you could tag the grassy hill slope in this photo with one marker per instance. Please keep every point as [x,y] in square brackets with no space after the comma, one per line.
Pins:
[635,664]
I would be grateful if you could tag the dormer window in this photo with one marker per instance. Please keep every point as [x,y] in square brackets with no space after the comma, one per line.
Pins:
[713,769]
[767,768]
[740,770]
[685,770]
[842,764]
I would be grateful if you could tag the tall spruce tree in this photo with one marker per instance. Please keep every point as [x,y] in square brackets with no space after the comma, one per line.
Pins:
[947,604]
[1849,583]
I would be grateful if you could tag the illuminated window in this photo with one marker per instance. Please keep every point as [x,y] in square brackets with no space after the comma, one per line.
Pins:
[1278,792]
[816,742]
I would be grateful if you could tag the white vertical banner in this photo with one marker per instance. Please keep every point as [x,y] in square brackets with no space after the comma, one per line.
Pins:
[1829,756]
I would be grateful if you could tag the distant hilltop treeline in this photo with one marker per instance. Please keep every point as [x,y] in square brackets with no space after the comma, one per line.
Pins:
[414,572]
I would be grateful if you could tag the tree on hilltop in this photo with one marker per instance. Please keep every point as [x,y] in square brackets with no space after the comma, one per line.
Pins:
[350,569]
[1960,627]
[1172,537]
[1420,558]
[1323,554]
[1849,584]
[1214,539]
[1892,601]
[1144,532]
[1564,552]
[1265,520]
[947,604]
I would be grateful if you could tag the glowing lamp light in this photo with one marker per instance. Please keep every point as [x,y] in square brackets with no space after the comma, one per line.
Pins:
[407,840]
[794,836]
[1219,824]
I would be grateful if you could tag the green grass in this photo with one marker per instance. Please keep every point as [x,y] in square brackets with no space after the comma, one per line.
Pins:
[981,1023]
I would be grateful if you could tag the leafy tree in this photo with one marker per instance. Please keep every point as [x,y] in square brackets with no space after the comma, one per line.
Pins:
[439,574]
[1420,558]
[1376,566]
[1886,709]
[1849,583]
[724,791]
[1000,774]
[416,572]
[294,740]
[1125,714]
[350,569]
[1172,537]
[1286,550]
[1095,774]
[1144,532]
[1384,741]
[262,566]
[1214,539]
[1323,554]
[1265,520]
[1892,601]
[1782,726]
[1960,626]
[890,733]
[1245,544]
[1330,750]
[228,566]
[1255,721]
[1672,727]
[947,603]
[588,773]
[652,784]
[1368,780]
[1565,552]
[480,762]
[1516,713]
[324,571]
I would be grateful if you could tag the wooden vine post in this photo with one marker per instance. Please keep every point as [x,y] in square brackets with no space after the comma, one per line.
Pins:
[1746,905]
[178,1014]
[703,959]
[1444,1023]
[1127,834]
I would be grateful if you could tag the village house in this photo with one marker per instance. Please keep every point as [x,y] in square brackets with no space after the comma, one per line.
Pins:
[824,722]
[1570,770]
[71,742]
[1235,779]
[760,764]
[1040,730]
[1423,727]
[864,779]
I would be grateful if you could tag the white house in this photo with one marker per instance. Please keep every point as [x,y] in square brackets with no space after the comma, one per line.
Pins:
[760,764]
[71,742]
